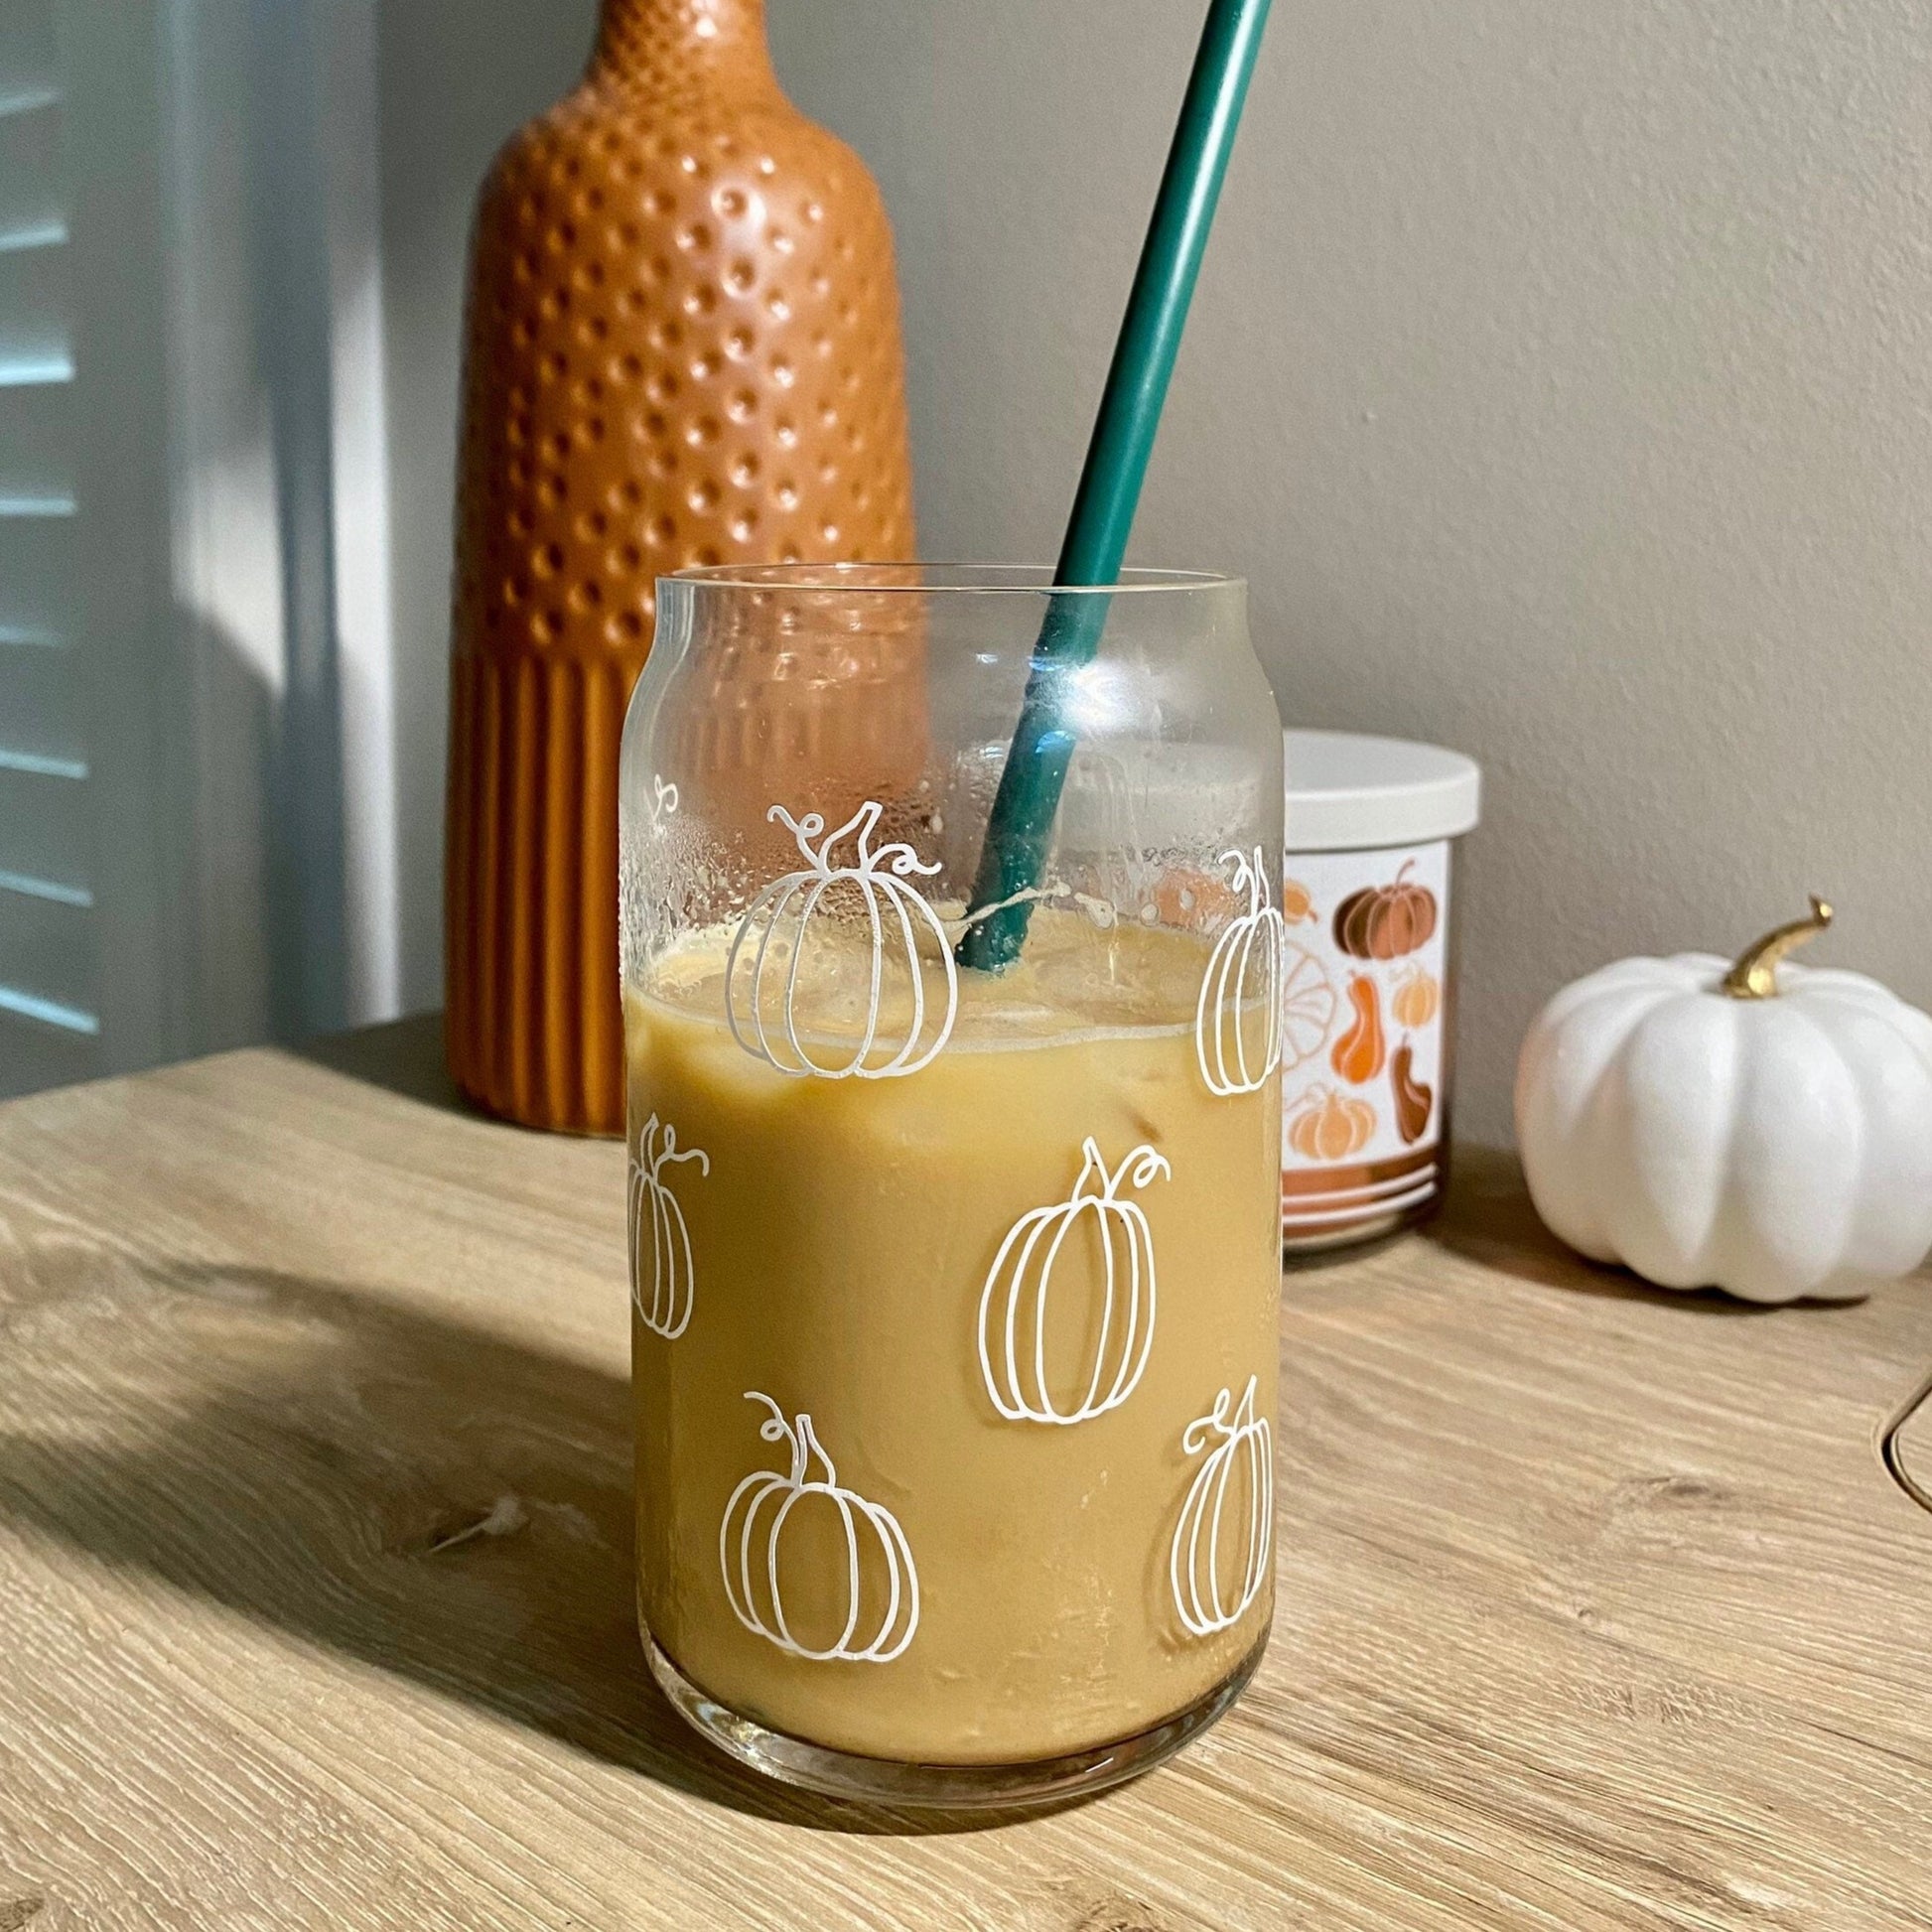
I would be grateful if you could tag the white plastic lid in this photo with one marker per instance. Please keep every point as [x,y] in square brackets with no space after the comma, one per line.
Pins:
[1351,793]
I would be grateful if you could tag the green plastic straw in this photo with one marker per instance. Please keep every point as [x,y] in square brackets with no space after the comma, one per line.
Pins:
[1021,829]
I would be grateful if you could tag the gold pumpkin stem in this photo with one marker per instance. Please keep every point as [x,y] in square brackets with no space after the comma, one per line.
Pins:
[1755,975]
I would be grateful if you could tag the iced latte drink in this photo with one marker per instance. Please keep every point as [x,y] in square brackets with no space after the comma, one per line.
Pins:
[954,1317]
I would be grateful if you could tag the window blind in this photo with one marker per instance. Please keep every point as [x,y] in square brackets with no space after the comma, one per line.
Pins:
[50,1027]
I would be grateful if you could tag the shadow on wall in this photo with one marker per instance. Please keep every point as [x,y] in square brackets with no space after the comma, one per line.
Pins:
[282,771]
[305,775]
[270,926]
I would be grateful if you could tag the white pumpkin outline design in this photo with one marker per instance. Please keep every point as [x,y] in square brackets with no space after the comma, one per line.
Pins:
[1095,1190]
[900,1617]
[1227,977]
[673,1276]
[879,877]
[1203,1612]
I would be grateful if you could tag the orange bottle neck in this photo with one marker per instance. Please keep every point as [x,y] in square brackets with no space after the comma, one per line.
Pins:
[714,36]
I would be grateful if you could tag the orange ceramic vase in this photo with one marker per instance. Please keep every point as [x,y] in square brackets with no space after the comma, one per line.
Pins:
[683,348]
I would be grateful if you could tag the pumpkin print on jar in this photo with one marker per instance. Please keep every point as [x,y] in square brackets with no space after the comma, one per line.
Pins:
[805,926]
[1360,1052]
[1386,921]
[1329,1126]
[1071,1298]
[665,1306]
[1345,1174]
[682,349]
[1307,1007]
[1194,902]
[871,1611]
[1413,1100]
[1218,1561]
[1417,998]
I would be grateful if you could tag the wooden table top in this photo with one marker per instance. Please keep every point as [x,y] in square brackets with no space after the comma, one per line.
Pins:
[1598,1608]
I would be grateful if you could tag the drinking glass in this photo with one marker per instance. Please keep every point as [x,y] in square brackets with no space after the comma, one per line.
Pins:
[955,1292]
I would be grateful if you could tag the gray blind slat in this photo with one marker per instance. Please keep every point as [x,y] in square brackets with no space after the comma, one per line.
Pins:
[29,49]
[37,582]
[45,828]
[36,439]
[36,314]
[41,703]
[45,954]
[34,1055]
[32,200]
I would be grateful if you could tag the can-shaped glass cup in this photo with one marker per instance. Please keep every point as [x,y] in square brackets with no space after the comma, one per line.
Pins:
[955,1291]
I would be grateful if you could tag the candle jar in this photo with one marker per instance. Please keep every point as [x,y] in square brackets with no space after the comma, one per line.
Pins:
[955,1293]
[1369,983]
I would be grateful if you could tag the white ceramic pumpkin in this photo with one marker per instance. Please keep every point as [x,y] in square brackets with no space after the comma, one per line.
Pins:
[666,1309]
[880,1580]
[1761,1131]
[1016,1327]
[1221,1546]
[782,924]
[1238,1017]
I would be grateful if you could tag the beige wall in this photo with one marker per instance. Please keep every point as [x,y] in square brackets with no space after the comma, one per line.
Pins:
[455,78]
[1561,377]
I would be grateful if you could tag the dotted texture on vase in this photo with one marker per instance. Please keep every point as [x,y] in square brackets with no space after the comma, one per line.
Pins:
[683,348]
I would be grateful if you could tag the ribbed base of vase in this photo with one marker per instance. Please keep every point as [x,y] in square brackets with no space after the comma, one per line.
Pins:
[534,1025]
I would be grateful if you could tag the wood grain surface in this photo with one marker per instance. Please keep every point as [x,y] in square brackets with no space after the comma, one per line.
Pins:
[1909,1448]
[1598,1608]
